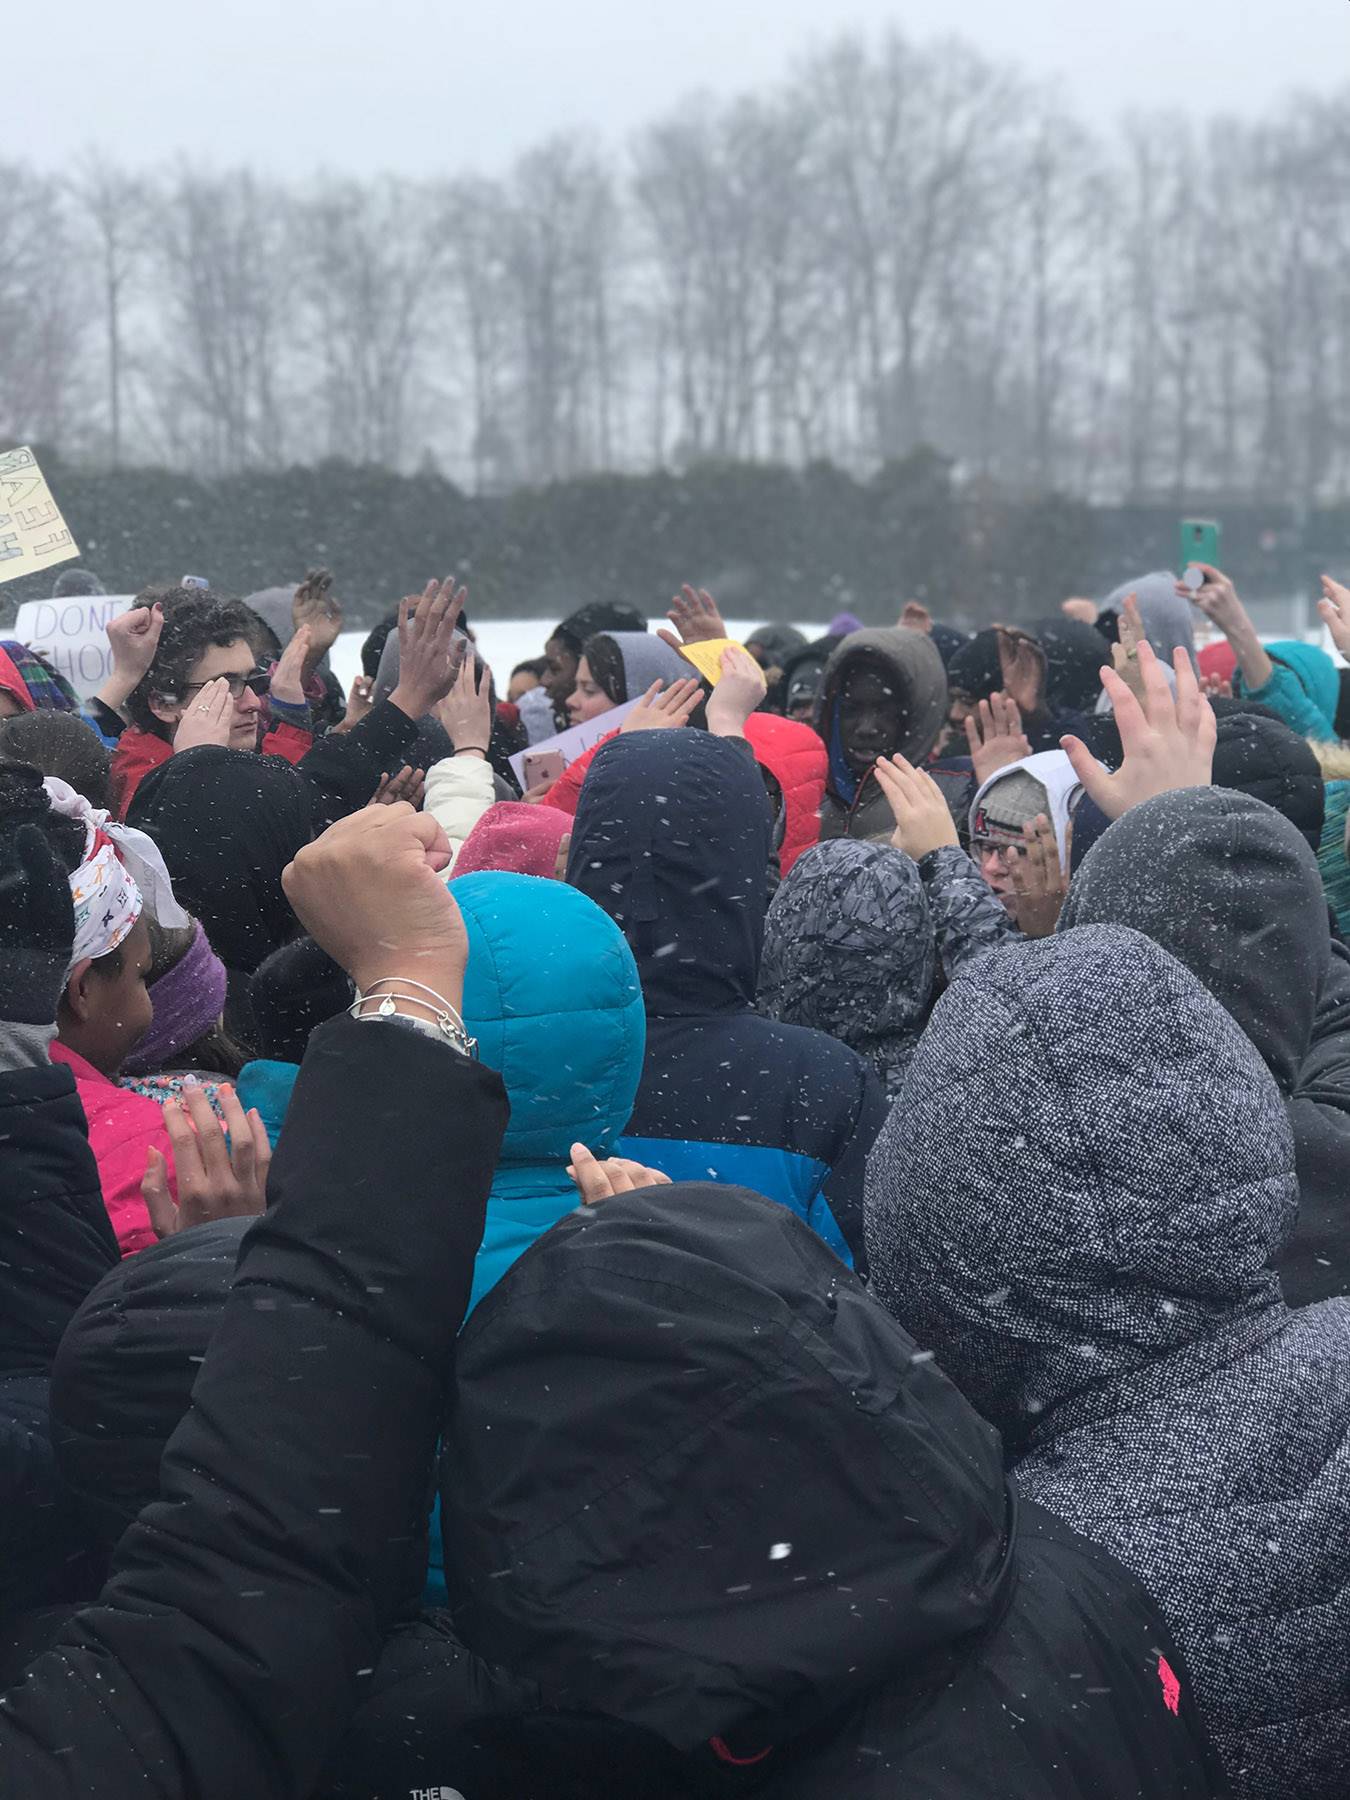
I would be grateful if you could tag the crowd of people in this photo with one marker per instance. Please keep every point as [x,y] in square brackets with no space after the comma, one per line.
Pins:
[803,1251]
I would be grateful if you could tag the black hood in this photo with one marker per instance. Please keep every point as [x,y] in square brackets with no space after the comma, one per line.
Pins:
[228,822]
[124,1373]
[1227,885]
[1256,753]
[671,839]
[975,670]
[699,1480]
[1074,657]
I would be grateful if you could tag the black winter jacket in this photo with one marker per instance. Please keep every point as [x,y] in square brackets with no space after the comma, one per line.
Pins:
[699,1484]
[222,1656]
[672,839]
[1231,889]
[1074,1203]
[55,1243]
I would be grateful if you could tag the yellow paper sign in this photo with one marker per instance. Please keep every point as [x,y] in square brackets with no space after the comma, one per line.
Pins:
[707,657]
[33,535]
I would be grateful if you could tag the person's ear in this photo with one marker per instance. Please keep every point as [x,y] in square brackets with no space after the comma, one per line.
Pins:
[77,997]
[168,712]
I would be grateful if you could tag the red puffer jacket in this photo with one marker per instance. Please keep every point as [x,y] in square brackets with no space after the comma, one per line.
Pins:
[795,756]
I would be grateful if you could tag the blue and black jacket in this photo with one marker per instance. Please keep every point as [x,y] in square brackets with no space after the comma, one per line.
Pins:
[672,839]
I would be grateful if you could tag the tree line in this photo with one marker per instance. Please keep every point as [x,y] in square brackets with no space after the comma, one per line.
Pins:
[904,243]
[772,541]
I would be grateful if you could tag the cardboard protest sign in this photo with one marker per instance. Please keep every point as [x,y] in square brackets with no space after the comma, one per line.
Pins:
[33,535]
[72,635]
[574,742]
[707,657]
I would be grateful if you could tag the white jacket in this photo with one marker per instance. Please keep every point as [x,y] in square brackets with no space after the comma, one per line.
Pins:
[460,789]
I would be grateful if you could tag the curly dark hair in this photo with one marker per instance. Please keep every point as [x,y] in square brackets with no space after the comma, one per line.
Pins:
[195,619]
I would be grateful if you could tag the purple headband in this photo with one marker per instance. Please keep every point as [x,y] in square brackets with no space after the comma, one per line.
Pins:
[188,1000]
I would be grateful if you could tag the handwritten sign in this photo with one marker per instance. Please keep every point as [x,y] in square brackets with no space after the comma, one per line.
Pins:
[33,535]
[72,635]
[576,741]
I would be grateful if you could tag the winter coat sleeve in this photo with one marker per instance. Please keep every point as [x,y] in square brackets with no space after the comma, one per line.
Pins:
[343,769]
[221,1658]
[843,1187]
[55,1245]
[460,789]
[967,919]
[1286,695]
[1315,1264]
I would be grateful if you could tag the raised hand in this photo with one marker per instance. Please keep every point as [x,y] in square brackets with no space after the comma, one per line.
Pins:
[1083,610]
[215,1181]
[208,718]
[371,892]
[1334,607]
[466,711]
[408,784]
[995,735]
[1125,653]
[923,821]
[741,689]
[1039,879]
[287,680]
[915,617]
[693,613]
[1022,665]
[596,1181]
[658,711]
[428,656]
[1217,599]
[1168,743]
[133,638]
[317,607]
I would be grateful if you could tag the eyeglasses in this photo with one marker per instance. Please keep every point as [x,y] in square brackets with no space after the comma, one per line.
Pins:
[257,683]
[990,846]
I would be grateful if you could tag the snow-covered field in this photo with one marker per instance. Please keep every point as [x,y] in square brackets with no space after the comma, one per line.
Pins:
[506,642]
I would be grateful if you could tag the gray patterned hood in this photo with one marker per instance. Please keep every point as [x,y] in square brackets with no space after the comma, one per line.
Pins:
[1087,1170]
[848,949]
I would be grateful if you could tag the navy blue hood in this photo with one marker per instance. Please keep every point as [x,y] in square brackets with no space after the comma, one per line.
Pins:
[672,839]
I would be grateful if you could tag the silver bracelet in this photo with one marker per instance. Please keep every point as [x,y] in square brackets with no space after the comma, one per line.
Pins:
[447,1020]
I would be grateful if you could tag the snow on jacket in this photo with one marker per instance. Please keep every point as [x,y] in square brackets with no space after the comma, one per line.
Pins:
[1232,890]
[795,757]
[848,949]
[55,1245]
[672,839]
[122,1127]
[697,1482]
[553,997]
[856,807]
[1074,1205]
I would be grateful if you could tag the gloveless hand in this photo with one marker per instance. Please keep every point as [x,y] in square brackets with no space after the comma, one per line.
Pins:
[659,711]
[923,820]
[208,718]
[428,656]
[739,692]
[215,1181]
[995,736]
[371,891]
[1167,743]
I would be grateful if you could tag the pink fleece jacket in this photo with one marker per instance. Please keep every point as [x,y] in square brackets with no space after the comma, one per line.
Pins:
[122,1127]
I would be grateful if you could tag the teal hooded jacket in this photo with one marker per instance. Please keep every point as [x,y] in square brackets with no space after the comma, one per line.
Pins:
[1304,689]
[553,997]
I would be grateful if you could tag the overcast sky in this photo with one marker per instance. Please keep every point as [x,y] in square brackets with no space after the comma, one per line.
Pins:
[421,86]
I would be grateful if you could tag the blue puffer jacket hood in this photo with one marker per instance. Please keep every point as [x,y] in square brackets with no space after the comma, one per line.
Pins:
[672,840]
[552,995]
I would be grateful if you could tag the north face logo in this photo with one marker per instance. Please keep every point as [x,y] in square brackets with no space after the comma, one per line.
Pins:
[436,1793]
[1171,1687]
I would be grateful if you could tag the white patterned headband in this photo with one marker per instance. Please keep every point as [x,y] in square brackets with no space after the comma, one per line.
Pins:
[120,864]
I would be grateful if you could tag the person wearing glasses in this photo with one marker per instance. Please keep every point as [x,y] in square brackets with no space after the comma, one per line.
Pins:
[198,680]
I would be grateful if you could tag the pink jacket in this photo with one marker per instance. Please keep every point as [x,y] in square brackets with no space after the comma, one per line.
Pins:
[122,1127]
